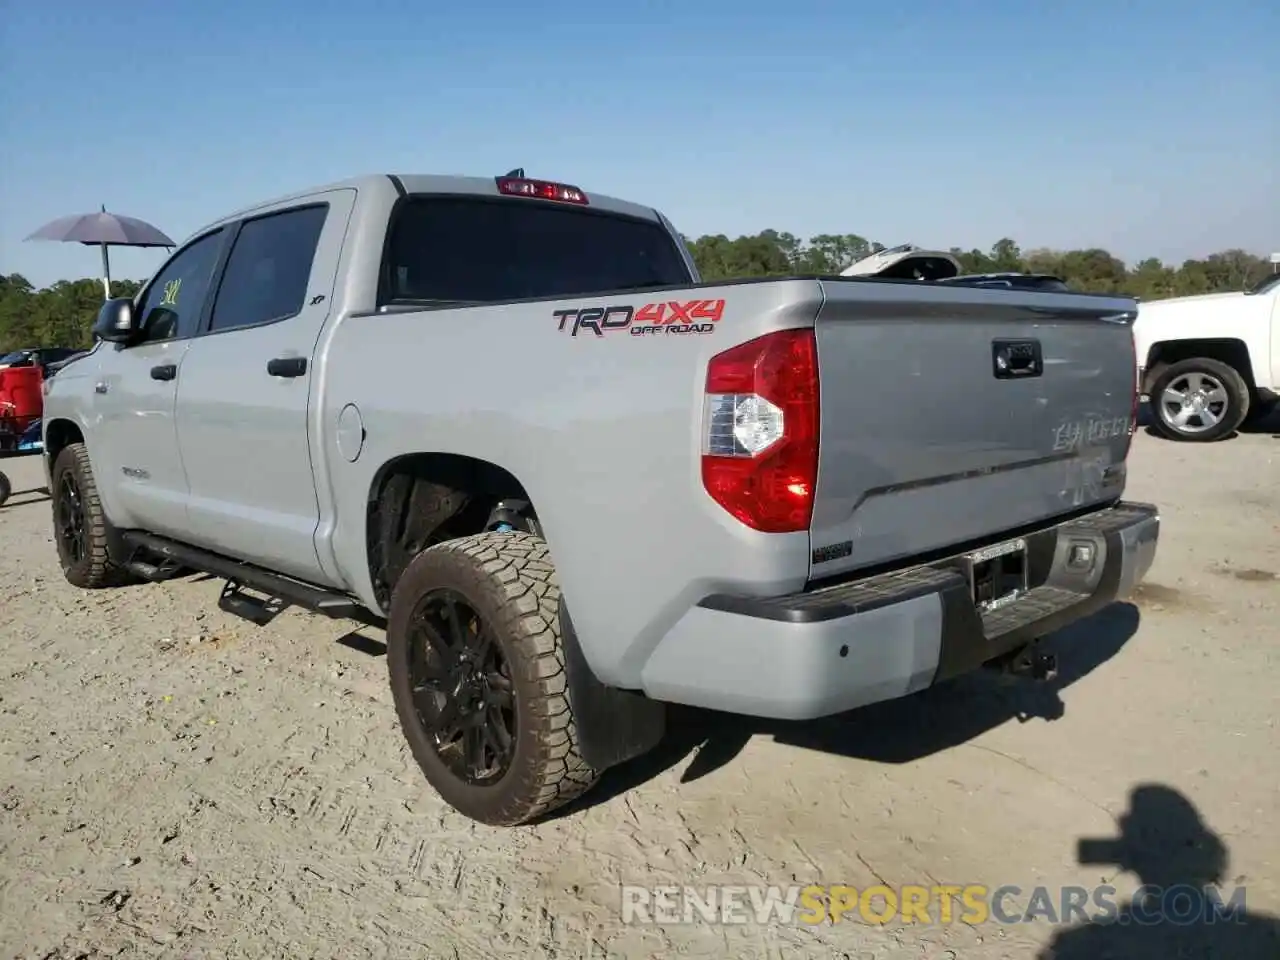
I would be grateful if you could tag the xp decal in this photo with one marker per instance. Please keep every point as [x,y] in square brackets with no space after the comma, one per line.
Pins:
[652,319]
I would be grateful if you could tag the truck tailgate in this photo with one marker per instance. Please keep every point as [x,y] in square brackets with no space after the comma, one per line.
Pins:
[949,416]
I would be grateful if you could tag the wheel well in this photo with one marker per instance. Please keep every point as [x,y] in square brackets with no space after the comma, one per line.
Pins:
[58,435]
[421,499]
[1162,355]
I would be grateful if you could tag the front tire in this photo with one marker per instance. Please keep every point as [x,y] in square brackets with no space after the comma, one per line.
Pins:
[477,671]
[79,523]
[6,488]
[1199,401]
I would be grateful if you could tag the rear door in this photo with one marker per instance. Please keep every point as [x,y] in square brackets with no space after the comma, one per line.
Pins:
[955,414]
[244,396]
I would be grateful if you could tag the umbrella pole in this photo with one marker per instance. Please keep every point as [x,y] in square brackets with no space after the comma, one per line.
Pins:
[106,274]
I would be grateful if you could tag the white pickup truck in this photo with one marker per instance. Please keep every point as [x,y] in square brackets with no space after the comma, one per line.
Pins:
[1209,364]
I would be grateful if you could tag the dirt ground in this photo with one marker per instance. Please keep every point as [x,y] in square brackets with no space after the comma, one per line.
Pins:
[178,783]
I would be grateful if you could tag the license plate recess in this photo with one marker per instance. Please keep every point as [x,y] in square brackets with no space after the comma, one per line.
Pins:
[997,574]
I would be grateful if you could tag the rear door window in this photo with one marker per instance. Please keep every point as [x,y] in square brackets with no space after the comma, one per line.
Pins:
[269,269]
[480,250]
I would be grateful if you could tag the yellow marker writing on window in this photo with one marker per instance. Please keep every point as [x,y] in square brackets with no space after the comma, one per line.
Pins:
[171,290]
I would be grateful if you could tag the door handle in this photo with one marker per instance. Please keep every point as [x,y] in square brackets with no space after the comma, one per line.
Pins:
[287,366]
[166,371]
[100,387]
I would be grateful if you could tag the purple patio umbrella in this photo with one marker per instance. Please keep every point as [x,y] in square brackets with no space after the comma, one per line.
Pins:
[103,230]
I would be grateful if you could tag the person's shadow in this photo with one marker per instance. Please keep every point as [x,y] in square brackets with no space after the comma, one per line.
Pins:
[1186,906]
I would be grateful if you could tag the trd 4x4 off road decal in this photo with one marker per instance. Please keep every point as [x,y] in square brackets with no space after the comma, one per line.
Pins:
[670,317]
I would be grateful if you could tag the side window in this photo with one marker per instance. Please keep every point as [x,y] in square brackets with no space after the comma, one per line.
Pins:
[269,268]
[171,306]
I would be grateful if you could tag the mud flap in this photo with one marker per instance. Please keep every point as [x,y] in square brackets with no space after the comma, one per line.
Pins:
[613,725]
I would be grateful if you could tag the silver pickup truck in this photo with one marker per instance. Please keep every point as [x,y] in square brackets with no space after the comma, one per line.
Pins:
[505,419]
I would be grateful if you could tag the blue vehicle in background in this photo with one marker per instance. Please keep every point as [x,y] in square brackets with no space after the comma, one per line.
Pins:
[32,440]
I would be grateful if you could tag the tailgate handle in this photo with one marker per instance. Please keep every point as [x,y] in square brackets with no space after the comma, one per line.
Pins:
[1012,359]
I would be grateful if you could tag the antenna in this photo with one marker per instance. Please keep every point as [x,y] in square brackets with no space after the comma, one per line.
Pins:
[518,173]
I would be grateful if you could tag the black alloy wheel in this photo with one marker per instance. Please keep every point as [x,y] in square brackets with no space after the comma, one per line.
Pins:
[462,690]
[70,521]
[477,667]
[80,527]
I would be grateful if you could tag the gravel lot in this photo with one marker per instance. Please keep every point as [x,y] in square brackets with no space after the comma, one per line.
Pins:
[175,782]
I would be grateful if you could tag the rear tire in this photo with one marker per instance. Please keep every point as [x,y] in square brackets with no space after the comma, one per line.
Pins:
[509,692]
[6,488]
[79,523]
[1199,401]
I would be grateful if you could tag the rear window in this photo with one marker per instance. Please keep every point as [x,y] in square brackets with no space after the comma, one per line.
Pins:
[477,250]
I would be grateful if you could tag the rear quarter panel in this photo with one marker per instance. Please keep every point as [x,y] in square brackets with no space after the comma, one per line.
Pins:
[603,432]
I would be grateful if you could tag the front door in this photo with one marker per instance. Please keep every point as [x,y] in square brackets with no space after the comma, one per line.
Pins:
[247,384]
[134,445]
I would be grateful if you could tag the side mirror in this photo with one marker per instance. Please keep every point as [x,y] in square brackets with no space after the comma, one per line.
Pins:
[117,323]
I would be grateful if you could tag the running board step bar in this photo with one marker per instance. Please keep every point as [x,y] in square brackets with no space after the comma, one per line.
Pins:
[236,601]
[281,591]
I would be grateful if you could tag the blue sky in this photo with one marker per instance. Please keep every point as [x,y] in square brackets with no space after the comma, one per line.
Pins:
[1148,128]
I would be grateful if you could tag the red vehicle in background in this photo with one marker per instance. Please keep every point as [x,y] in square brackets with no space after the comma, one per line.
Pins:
[22,376]
[21,402]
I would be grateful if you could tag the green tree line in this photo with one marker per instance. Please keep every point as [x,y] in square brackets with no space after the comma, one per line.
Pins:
[62,314]
[1093,270]
[59,315]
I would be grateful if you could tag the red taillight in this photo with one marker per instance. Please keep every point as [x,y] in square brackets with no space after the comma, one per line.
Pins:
[541,190]
[760,431]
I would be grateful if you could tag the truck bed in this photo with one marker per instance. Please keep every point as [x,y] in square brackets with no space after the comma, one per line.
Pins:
[924,443]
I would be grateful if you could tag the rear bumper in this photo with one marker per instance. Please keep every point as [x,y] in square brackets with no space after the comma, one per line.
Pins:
[823,651]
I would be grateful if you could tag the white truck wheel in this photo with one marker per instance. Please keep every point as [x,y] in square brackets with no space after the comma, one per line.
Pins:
[1199,401]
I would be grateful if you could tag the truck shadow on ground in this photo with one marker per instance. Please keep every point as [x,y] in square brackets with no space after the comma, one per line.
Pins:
[1270,426]
[1184,904]
[895,731]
